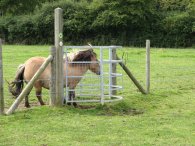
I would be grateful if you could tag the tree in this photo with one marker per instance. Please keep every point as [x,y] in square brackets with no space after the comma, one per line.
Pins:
[19,7]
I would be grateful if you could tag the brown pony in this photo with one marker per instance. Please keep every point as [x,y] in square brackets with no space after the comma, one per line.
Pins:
[27,70]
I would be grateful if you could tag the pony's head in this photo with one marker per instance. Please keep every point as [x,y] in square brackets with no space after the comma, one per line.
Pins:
[89,55]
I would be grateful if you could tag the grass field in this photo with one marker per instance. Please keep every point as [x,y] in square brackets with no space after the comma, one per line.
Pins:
[164,117]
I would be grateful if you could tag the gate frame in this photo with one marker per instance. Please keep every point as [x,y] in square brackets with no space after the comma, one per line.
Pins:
[112,74]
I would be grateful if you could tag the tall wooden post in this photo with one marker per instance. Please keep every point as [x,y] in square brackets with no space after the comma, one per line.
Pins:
[147,66]
[53,78]
[1,81]
[59,56]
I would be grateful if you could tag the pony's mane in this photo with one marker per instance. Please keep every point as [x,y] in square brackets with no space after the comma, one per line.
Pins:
[81,55]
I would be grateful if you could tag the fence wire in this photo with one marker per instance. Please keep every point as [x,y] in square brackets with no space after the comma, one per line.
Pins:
[172,71]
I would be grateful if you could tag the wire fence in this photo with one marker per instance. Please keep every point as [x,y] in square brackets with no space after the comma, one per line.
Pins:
[172,71]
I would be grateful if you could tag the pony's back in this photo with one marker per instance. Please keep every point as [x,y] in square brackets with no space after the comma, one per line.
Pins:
[31,67]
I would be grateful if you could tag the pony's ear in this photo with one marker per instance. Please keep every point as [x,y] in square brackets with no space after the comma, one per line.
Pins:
[84,55]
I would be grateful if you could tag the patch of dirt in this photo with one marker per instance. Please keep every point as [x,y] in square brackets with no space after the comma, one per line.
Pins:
[32,104]
[22,107]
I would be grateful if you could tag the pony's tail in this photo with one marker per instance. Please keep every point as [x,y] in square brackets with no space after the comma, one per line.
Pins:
[16,86]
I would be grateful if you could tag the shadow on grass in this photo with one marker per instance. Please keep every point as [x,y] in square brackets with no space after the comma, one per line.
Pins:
[108,109]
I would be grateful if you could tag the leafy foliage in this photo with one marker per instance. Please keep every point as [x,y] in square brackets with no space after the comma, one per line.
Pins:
[174,5]
[18,7]
[168,23]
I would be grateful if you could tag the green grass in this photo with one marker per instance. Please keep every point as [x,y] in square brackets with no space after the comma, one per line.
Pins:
[164,117]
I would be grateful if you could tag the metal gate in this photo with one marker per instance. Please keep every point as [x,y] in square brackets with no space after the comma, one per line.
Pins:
[92,87]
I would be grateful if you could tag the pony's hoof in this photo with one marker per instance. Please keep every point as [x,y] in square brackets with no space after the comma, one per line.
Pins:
[42,104]
[69,103]
[27,106]
[75,104]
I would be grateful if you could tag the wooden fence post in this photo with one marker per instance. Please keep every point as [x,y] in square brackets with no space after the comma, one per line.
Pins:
[59,56]
[29,86]
[147,66]
[1,81]
[53,78]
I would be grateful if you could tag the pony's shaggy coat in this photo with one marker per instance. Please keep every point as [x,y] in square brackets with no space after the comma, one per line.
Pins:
[27,70]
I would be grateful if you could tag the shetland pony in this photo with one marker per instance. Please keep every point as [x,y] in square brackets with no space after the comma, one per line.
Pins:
[27,70]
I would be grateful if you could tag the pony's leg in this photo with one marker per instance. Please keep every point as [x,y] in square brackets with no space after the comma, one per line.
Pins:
[70,97]
[26,99]
[73,96]
[38,90]
[26,103]
[39,97]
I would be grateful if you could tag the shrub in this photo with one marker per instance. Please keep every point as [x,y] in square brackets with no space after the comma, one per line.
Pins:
[105,22]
